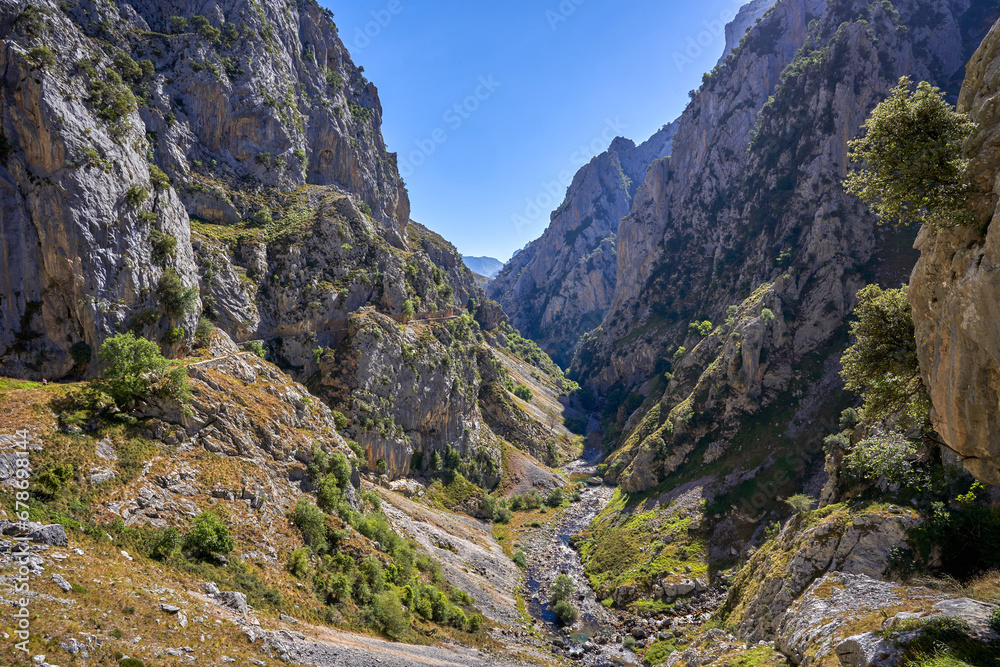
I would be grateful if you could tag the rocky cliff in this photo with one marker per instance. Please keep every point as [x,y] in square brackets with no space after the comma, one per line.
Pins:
[955,290]
[168,169]
[561,285]
[745,19]
[124,120]
[747,223]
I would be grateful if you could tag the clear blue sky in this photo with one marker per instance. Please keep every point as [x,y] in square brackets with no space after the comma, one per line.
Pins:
[541,87]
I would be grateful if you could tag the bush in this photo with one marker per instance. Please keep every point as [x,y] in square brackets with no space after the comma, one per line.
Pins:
[389,615]
[175,299]
[521,559]
[42,56]
[166,545]
[311,522]
[523,392]
[767,315]
[560,595]
[202,26]
[339,420]
[800,502]
[555,497]
[158,178]
[702,328]
[256,347]
[173,335]
[136,371]
[50,482]
[164,246]
[203,333]
[262,217]
[995,621]
[914,168]
[209,538]
[298,562]
[881,364]
[178,24]
[131,662]
[885,455]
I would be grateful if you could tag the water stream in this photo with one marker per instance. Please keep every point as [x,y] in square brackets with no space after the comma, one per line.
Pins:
[592,639]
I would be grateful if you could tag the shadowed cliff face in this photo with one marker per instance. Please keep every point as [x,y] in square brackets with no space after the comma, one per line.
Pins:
[237,108]
[749,212]
[955,291]
[560,286]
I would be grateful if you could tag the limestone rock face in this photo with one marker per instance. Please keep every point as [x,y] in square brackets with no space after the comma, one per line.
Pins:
[104,153]
[744,20]
[778,575]
[750,207]
[955,290]
[561,285]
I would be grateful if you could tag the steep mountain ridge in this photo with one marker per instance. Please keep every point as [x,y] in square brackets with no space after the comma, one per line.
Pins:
[767,243]
[484,266]
[561,284]
[955,286]
[168,171]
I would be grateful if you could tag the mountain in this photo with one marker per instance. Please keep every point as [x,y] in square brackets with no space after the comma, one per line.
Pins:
[954,291]
[747,233]
[561,284]
[484,266]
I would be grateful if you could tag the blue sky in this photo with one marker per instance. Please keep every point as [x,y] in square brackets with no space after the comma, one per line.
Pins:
[492,106]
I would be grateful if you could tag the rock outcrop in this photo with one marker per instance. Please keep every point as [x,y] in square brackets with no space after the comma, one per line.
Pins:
[749,212]
[561,285]
[955,290]
[107,152]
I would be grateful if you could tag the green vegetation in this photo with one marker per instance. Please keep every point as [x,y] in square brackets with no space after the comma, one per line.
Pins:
[800,502]
[41,57]
[209,537]
[136,371]
[884,455]
[522,392]
[158,177]
[914,167]
[175,299]
[178,24]
[135,195]
[561,593]
[203,27]
[164,246]
[256,347]
[882,362]
[701,329]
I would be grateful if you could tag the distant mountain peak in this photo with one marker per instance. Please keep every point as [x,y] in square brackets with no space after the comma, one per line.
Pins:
[484,266]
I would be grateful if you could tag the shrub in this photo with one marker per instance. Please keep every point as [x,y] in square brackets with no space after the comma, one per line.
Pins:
[173,335]
[256,347]
[523,392]
[131,662]
[629,642]
[136,371]
[175,299]
[681,351]
[334,80]
[178,24]
[339,420]
[166,545]
[885,455]
[263,217]
[50,482]
[560,593]
[209,537]
[800,502]
[158,178]
[311,522]
[881,364]
[41,56]
[994,621]
[914,168]
[202,26]
[767,315]
[408,310]
[164,245]
[389,615]
[555,497]
[203,334]
[298,562]
[81,353]
[702,328]
[521,559]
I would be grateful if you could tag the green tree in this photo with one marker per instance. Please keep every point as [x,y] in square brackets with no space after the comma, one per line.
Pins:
[136,371]
[209,537]
[175,299]
[885,455]
[523,392]
[311,521]
[881,364]
[561,592]
[913,165]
